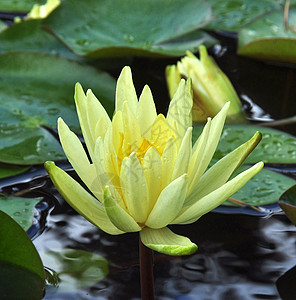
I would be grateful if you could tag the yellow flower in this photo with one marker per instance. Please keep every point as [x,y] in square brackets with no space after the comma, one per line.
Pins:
[143,173]
[211,87]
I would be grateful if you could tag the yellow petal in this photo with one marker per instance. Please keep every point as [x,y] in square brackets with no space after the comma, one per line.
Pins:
[83,202]
[77,157]
[132,132]
[81,107]
[152,168]
[104,177]
[125,91]
[165,241]
[96,114]
[209,149]
[118,216]
[184,155]
[179,116]
[193,212]
[134,188]
[160,133]
[146,112]
[225,167]
[169,203]
[168,159]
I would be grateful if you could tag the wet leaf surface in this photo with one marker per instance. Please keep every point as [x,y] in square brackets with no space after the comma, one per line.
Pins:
[232,15]
[18,5]
[264,188]
[19,261]
[120,28]
[29,36]
[268,39]
[40,88]
[276,147]
[10,170]
[20,209]
[75,269]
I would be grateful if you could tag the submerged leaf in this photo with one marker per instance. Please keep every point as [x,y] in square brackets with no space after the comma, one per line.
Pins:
[76,269]
[20,209]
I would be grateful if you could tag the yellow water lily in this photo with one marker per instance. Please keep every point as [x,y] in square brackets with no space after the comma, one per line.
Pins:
[211,87]
[142,172]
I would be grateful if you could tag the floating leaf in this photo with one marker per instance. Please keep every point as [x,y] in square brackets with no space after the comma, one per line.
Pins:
[10,170]
[2,26]
[111,28]
[20,209]
[276,146]
[264,188]
[18,5]
[288,204]
[76,269]
[231,15]
[28,36]
[22,275]
[268,39]
[40,88]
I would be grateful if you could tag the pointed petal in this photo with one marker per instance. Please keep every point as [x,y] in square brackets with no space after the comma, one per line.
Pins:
[152,168]
[207,153]
[160,133]
[179,116]
[168,159]
[184,155]
[81,107]
[193,212]
[96,113]
[77,156]
[173,78]
[134,188]
[169,203]
[165,241]
[118,216]
[225,167]
[125,91]
[83,202]
[132,132]
[146,112]
[105,176]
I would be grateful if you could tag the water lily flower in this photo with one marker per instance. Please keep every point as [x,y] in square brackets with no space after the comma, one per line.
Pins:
[142,172]
[211,87]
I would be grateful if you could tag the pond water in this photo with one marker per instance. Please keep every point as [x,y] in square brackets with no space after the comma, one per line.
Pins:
[241,255]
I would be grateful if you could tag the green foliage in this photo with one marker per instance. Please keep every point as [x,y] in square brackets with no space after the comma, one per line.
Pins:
[115,28]
[22,275]
[268,39]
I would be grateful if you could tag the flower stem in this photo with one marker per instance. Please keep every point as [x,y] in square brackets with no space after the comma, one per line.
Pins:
[146,270]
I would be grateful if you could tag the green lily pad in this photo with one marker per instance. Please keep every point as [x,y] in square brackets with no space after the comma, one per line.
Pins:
[288,203]
[22,275]
[232,15]
[40,88]
[19,5]
[76,269]
[264,188]
[29,36]
[2,26]
[115,28]
[20,209]
[10,170]
[268,39]
[276,147]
